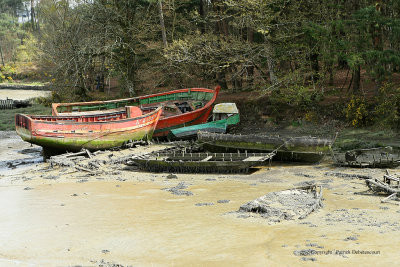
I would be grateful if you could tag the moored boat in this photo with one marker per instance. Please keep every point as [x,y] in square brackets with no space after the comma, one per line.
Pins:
[224,116]
[182,107]
[102,130]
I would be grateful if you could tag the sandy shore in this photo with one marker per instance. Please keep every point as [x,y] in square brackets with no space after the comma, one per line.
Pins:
[65,217]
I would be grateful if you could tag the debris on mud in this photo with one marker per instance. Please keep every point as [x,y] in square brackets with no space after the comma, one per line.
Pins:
[290,204]
[390,185]
[204,204]
[347,176]
[177,190]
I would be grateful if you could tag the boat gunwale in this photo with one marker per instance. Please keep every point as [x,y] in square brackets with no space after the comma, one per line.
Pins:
[56,105]
[66,122]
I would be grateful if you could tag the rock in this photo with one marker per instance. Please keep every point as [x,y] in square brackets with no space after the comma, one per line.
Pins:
[350,238]
[304,252]
[308,259]
[172,176]
[28,188]
[177,190]
[204,204]
[223,201]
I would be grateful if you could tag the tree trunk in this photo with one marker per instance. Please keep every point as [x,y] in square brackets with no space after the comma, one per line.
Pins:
[202,13]
[356,79]
[221,79]
[330,71]
[314,66]
[33,15]
[271,62]
[162,24]
[1,54]
[250,69]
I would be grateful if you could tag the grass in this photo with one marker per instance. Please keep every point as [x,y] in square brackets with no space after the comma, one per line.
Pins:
[7,115]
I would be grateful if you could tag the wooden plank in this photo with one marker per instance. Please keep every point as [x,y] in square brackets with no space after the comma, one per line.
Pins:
[207,158]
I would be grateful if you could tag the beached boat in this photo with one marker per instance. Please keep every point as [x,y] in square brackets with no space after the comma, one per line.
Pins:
[202,162]
[302,149]
[224,116]
[378,157]
[182,107]
[102,130]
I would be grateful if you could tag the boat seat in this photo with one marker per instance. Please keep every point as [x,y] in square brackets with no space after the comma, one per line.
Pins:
[133,111]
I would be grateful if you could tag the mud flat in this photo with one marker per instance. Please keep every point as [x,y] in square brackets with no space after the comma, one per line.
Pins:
[112,213]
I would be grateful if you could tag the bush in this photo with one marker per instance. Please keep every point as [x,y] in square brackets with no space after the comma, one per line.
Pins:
[7,73]
[296,99]
[386,111]
[356,112]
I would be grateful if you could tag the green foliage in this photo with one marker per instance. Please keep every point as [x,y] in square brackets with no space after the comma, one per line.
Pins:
[7,73]
[294,102]
[386,111]
[300,97]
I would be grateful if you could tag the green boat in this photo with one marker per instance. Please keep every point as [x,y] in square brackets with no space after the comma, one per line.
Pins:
[224,116]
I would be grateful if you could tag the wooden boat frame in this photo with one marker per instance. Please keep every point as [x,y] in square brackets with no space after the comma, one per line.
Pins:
[179,161]
[302,149]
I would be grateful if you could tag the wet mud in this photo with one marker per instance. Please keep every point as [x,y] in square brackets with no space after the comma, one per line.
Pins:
[63,216]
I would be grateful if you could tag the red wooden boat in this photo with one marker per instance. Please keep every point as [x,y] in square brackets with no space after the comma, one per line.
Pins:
[182,107]
[102,130]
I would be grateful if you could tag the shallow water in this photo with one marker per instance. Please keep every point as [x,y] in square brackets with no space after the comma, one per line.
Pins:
[22,94]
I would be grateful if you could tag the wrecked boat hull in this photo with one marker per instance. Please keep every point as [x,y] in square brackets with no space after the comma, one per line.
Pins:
[379,157]
[181,162]
[197,112]
[74,133]
[299,149]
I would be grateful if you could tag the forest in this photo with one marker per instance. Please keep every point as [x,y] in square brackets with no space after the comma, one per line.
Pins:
[308,60]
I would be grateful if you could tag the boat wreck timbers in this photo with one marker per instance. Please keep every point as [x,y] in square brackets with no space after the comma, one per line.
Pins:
[389,185]
[302,149]
[379,157]
[291,204]
[204,162]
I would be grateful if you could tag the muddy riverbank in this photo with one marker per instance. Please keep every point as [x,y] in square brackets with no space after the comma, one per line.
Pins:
[63,216]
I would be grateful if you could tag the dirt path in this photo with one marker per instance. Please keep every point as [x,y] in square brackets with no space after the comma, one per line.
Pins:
[65,217]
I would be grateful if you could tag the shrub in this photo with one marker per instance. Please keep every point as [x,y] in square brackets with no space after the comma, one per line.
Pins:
[356,112]
[386,111]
